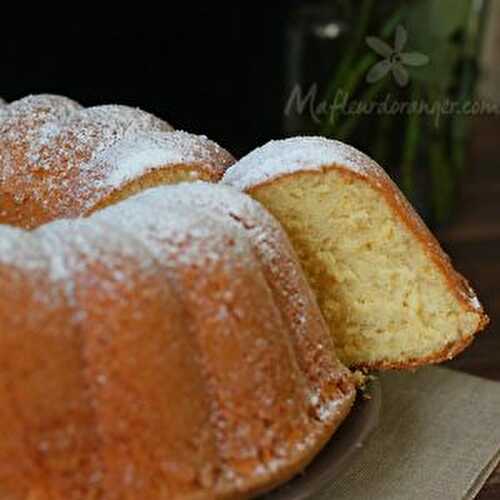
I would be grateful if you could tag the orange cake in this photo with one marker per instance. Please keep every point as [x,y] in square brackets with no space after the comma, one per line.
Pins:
[167,346]
[58,159]
[387,290]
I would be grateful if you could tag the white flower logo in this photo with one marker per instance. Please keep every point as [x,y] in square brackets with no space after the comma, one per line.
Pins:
[395,59]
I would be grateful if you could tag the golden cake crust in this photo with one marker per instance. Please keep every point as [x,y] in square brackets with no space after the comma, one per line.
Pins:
[197,209]
[176,278]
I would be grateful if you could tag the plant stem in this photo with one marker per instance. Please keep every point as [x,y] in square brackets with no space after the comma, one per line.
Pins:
[460,122]
[348,78]
[467,78]
[383,139]
[442,178]
[347,60]
[353,80]
[410,148]
[348,126]
[443,185]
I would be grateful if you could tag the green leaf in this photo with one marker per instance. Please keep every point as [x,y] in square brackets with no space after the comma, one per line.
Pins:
[378,71]
[414,59]
[379,46]
[401,38]
[400,74]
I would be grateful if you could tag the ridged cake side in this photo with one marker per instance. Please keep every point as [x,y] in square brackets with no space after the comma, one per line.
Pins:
[158,360]
[301,380]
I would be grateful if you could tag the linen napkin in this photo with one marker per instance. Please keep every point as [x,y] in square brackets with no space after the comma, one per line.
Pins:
[438,438]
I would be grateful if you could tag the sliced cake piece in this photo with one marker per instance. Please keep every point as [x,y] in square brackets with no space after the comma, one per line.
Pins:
[386,288]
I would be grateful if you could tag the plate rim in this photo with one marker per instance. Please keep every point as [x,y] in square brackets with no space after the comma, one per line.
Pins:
[351,436]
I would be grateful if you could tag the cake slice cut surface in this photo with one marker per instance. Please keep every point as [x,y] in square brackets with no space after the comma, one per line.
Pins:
[386,288]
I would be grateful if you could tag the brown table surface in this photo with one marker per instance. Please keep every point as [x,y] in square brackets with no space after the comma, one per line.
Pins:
[473,241]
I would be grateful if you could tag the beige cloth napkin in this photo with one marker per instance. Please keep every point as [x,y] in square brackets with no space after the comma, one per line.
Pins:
[438,438]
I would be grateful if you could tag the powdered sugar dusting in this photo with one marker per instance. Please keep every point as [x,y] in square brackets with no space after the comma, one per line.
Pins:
[19,125]
[278,158]
[155,217]
[71,245]
[68,152]
[50,148]
[475,302]
[22,264]
[134,156]
[16,249]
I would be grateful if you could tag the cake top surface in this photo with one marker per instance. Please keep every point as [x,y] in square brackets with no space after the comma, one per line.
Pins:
[71,245]
[63,157]
[156,217]
[216,209]
[17,249]
[135,155]
[147,228]
[79,139]
[286,156]
[231,208]
[56,133]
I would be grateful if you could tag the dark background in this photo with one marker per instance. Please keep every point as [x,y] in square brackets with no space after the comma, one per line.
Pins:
[216,71]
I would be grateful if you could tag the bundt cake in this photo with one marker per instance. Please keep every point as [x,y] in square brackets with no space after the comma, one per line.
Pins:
[167,346]
[387,290]
[58,159]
